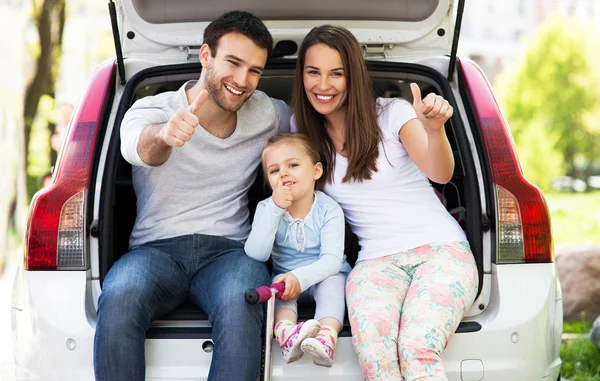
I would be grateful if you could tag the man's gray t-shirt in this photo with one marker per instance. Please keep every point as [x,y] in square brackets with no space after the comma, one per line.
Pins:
[202,188]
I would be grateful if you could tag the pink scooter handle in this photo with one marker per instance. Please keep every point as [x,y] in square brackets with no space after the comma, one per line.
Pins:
[263,293]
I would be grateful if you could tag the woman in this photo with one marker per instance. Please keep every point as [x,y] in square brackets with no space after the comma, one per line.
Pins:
[415,276]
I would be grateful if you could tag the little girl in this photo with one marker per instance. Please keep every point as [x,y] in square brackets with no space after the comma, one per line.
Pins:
[303,230]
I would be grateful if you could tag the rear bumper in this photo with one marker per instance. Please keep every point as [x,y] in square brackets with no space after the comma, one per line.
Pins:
[49,308]
[521,329]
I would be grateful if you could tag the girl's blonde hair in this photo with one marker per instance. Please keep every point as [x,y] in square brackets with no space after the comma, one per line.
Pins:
[294,139]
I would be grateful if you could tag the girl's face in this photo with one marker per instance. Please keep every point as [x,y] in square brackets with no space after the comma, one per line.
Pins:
[324,79]
[288,164]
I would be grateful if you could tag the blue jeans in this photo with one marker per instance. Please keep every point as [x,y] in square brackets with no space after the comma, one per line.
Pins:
[153,279]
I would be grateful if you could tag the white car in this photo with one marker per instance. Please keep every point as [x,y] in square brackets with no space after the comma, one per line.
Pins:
[80,225]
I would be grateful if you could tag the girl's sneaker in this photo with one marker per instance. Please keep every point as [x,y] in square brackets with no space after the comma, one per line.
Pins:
[292,340]
[320,349]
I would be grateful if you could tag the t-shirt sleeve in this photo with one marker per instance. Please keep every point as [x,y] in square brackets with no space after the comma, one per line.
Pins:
[143,113]
[397,113]
[293,126]
[283,113]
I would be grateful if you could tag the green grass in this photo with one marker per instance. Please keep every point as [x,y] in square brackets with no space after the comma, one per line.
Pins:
[581,358]
[576,221]
[575,218]
[583,326]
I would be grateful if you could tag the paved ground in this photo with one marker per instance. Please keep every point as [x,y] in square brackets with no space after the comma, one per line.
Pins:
[6,360]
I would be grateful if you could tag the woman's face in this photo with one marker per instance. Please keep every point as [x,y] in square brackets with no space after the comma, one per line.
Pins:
[324,79]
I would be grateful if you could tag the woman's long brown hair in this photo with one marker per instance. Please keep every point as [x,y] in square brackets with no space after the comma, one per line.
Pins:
[362,132]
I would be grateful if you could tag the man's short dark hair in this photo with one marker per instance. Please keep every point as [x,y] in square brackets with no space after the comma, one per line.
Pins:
[241,22]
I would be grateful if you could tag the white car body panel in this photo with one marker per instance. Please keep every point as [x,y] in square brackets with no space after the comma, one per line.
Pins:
[409,40]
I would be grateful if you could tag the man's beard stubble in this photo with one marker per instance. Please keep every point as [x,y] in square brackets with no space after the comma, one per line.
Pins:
[216,91]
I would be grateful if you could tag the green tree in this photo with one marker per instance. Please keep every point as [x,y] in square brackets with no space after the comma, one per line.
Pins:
[49,17]
[548,98]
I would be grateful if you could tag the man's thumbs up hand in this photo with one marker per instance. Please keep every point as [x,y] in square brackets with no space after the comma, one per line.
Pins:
[180,128]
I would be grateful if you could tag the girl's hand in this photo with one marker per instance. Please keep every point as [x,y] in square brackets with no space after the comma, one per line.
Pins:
[282,196]
[433,111]
[292,286]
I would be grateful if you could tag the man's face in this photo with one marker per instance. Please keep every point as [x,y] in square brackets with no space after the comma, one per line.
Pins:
[233,74]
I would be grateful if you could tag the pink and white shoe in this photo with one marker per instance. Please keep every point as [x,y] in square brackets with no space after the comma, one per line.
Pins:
[291,346]
[319,350]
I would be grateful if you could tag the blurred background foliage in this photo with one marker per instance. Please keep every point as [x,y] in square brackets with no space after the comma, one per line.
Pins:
[56,45]
[551,99]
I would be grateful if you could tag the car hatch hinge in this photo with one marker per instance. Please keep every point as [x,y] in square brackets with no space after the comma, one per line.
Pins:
[193,52]
[95,228]
[376,50]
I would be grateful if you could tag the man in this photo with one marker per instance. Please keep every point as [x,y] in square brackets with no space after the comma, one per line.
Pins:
[194,154]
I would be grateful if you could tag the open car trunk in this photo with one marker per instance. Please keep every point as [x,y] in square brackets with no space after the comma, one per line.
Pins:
[118,201]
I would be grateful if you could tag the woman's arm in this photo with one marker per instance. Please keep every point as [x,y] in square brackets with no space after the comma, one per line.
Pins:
[425,138]
[264,228]
[430,150]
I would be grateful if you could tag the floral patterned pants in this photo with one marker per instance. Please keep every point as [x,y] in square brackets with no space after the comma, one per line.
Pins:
[404,307]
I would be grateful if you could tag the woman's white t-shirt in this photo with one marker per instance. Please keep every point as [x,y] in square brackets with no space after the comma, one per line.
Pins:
[397,209]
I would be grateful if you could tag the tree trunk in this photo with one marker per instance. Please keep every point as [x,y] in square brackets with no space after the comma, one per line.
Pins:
[569,154]
[57,54]
[50,18]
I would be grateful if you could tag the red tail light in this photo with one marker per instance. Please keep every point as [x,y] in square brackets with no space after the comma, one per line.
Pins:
[523,218]
[55,236]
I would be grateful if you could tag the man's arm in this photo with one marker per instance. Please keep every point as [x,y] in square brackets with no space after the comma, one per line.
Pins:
[152,146]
